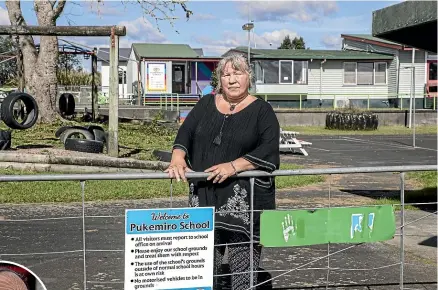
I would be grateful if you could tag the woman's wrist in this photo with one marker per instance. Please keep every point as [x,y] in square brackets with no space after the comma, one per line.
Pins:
[241,164]
[178,153]
[234,168]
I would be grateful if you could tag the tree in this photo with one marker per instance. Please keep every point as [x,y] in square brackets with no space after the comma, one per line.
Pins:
[296,43]
[68,62]
[8,68]
[40,66]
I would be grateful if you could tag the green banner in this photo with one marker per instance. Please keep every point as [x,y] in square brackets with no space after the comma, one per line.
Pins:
[322,226]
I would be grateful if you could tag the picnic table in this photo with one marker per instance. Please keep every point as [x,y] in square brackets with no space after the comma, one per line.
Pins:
[290,142]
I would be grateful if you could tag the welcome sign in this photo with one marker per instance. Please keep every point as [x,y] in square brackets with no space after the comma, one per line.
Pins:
[168,248]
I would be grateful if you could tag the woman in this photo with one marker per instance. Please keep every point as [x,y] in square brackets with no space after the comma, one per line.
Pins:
[225,134]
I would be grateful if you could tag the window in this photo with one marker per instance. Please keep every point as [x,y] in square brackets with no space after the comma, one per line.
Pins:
[280,72]
[122,74]
[432,71]
[259,73]
[300,72]
[285,72]
[365,73]
[350,73]
[380,73]
[271,71]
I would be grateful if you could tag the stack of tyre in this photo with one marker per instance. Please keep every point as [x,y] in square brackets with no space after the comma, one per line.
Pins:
[11,112]
[89,139]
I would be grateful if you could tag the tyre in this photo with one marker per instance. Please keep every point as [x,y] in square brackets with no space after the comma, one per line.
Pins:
[63,128]
[66,104]
[28,113]
[72,132]
[83,145]
[5,140]
[100,135]
[91,128]
[164,156]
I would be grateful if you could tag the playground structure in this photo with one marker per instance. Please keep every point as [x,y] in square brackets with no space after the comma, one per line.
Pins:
[114,32]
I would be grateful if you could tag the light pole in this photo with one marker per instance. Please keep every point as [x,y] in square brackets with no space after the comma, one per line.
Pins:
[248,26]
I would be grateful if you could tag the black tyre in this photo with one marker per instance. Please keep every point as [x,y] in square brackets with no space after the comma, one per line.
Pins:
[28,112]
[66,104]
[63,128]
[75,132]
[82,145]
[164,156]
[100,135]
[91,128]
[5,140]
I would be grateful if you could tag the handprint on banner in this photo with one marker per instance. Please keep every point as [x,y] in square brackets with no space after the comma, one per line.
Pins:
[289,228]
[356,223]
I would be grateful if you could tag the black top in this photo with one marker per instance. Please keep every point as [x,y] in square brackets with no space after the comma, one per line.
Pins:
[254,134]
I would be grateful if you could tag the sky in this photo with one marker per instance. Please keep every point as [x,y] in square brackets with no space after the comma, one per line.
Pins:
[216,26]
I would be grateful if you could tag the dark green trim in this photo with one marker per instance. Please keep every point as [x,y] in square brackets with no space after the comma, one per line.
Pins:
[308,54]
[412,23]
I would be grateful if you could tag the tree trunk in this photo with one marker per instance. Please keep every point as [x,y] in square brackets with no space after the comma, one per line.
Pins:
[40,67]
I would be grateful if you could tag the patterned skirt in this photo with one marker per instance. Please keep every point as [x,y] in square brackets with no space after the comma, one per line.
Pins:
[232,202]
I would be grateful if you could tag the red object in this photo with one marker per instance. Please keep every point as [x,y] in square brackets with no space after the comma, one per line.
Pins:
[25,275]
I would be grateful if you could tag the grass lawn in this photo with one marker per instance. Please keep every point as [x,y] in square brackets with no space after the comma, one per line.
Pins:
[136,141]
[386,130]
[425,190]
[70,191]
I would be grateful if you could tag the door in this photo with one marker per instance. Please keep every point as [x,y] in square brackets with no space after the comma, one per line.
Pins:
[432,83]
[178,79]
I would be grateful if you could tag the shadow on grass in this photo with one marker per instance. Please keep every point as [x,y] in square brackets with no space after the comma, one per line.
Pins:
[130,153]
[34,146]
[423,199]
[430,242]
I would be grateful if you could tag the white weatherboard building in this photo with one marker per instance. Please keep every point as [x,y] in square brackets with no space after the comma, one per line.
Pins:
[103,67]
[366,71]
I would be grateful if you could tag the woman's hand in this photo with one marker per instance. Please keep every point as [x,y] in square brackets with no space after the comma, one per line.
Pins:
[178,166]
[221,172]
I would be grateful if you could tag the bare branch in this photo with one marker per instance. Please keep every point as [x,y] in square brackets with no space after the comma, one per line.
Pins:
[58,9]
[163,10]
[14,12]
[184,7]
[67,13]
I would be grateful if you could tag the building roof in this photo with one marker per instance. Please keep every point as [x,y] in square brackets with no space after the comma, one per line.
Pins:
[407,22]
[311,54]
[158,50]
[199,51]
[369,37]
[103,54]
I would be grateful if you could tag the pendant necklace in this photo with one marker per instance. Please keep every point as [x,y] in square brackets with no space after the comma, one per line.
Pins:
[233,106]
[218,140]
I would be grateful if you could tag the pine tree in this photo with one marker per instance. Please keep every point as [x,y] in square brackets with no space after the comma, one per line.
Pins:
[296,43]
